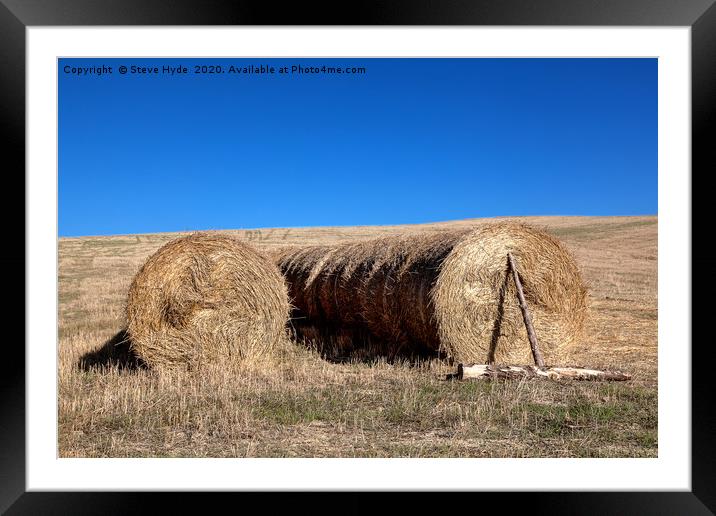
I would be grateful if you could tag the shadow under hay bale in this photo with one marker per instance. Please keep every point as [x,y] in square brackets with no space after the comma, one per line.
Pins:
[206,298]
[449,293]
[342,345]
[115,352]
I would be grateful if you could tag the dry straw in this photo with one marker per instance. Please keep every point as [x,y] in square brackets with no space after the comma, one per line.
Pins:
[447,293]
[206,298]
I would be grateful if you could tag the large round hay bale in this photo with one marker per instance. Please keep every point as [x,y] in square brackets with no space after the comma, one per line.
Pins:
[205,298]
[444,293]
[475,299]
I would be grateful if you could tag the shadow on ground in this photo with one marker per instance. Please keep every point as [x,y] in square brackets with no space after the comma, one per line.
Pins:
[351,345]
[115,352]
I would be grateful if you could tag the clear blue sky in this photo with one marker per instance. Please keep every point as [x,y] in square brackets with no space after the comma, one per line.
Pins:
[409,141]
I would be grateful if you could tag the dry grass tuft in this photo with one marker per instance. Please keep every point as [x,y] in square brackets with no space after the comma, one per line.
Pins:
[205,298]
[444,293]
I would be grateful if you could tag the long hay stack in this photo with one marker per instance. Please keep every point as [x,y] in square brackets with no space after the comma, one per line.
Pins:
[449,293]
[205,298]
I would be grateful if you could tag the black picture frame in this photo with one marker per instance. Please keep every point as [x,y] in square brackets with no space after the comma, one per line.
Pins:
[17,15]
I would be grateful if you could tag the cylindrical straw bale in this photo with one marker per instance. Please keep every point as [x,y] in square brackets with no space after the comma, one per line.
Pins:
[203,298]
[444,293]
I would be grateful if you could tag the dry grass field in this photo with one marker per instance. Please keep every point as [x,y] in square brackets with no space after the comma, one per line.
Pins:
[300,405]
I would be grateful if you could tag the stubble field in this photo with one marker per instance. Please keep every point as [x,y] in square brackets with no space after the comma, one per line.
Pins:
[299,405]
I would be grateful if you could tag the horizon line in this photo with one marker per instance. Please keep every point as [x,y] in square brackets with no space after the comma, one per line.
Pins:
[59,236]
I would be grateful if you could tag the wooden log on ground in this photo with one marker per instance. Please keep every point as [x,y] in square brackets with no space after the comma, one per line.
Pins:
[488,371]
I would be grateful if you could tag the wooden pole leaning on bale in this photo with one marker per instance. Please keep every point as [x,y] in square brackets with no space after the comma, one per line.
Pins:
[491,371]
[526,314]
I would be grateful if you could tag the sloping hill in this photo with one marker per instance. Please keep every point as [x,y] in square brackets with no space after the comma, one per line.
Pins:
[363,409]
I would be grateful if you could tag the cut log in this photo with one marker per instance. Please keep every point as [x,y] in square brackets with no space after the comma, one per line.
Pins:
[487,371]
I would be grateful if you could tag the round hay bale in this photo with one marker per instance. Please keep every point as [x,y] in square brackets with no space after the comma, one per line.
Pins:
[204,298]
[443,293]
[475,300]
